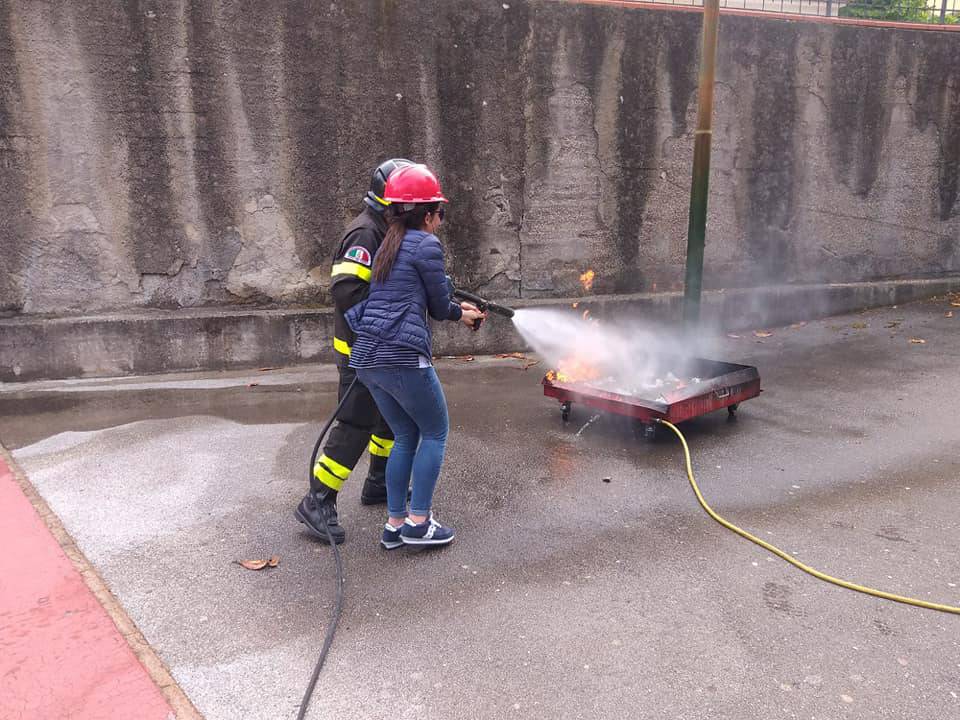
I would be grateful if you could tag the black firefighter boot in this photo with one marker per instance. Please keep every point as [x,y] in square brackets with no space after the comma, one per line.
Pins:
[318,510]
[375,486]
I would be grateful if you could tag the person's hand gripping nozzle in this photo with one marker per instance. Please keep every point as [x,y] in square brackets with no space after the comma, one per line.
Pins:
[482,304]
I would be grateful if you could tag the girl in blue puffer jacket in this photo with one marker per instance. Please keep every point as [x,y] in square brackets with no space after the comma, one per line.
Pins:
[392,352]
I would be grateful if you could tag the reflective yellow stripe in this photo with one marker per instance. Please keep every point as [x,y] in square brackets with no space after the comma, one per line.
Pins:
[341,346]
[348,267]
[330,472]
[380,446]
[385,443]
[380,199]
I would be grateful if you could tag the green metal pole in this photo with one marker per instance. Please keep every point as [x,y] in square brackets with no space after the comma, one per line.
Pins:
[697,229]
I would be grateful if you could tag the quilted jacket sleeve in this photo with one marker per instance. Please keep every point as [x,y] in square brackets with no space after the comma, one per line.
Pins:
[429,264]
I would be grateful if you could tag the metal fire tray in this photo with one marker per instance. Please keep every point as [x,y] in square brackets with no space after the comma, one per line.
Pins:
[722,385]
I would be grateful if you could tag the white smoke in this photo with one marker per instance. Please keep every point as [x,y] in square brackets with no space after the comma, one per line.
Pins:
[630,354]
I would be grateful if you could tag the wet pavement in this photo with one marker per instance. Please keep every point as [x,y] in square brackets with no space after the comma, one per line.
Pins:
[564,596]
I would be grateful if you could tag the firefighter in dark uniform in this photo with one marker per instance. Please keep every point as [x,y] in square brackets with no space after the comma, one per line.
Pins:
[359,425]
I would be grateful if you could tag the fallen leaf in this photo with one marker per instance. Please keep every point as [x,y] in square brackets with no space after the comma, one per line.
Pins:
[274,561]
[252,564]
[799,324]
[762,333]
[514,355]
[267,368]
[918,341]
[252,384]
[860,326]
[531,364]
[955,303]
[948,314]
[464,358]
[892,324]
[732,336]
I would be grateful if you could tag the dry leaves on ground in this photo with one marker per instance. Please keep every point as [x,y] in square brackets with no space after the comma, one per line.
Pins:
[253,384]
[860,326]
[259,564]
[514,355]
[762,333]
[264,369]
[917,341]
[529,364]
[798,324]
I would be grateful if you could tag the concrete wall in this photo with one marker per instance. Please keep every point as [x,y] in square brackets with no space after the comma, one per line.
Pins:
[157,341]
[183,153]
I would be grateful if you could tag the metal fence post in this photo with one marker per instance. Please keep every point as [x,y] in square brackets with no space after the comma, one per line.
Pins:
[943,12]
[696,231]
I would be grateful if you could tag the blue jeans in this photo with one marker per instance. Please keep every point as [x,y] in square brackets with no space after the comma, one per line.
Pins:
[412,402]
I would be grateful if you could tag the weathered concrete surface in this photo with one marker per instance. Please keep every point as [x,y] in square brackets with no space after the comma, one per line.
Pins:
[563,596]
[197,153]
[217,339]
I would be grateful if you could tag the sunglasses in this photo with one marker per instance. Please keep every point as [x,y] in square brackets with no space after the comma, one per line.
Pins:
[441,211]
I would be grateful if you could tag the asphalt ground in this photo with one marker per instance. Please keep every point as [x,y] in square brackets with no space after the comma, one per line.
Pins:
[585,582]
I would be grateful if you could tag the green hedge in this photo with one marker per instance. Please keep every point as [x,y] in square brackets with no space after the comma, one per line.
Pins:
[903,10]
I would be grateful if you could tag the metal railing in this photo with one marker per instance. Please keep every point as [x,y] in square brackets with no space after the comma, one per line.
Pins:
[936,12]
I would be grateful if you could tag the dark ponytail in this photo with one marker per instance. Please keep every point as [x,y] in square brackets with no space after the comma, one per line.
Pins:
[400,221]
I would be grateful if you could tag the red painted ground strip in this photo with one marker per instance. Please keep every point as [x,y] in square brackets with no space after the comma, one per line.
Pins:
[61,656]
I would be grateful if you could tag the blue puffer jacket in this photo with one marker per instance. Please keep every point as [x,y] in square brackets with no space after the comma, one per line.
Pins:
[396,310]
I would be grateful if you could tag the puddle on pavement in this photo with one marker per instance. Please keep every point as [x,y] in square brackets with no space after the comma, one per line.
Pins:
[28,417]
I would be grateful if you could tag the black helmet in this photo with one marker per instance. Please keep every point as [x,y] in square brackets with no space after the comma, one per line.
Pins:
[378,181]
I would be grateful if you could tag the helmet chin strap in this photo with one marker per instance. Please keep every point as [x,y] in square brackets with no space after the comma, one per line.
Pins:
[375,203]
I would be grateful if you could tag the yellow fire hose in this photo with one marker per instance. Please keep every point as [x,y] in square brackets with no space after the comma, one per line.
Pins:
[793,561]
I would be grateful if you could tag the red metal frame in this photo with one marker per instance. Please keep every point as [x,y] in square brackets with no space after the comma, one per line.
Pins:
[723,391]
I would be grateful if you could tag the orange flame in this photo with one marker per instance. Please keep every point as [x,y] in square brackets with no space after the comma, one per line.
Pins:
[587,280]
[574,369]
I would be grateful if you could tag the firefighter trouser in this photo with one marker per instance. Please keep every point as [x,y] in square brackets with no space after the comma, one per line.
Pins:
[358,427]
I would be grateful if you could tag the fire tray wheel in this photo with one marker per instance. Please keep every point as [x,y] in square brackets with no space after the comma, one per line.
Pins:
[565,411]
[646,431]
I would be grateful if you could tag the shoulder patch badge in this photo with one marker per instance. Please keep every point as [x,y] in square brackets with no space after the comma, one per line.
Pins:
[359,254]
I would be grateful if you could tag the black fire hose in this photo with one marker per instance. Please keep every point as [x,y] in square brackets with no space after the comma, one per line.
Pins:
[482,304]
[338,603]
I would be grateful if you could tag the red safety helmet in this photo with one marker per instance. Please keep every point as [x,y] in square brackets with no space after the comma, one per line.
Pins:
[413,184]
